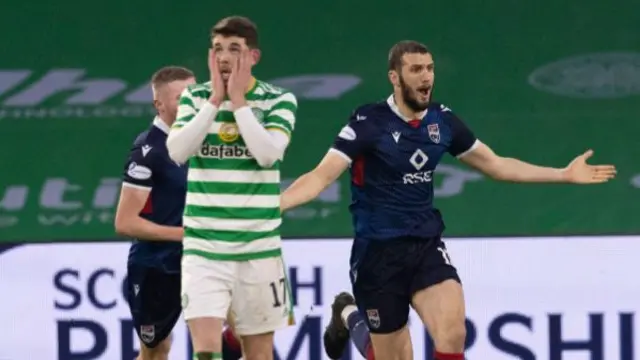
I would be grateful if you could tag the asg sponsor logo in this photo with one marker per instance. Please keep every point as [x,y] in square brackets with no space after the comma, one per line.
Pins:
[73,93]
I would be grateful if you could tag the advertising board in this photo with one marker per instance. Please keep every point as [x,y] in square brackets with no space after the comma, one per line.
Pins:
[527,298]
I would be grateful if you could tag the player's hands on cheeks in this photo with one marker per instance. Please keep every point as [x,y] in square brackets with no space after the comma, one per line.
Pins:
[239,79]
[217,83]
[579,172]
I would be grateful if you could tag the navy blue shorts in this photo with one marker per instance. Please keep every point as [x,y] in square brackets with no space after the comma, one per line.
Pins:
[391,272]
[154,301]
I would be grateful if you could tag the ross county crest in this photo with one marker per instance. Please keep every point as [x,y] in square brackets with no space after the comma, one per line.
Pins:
[374,318]
[434,132]
[147,333]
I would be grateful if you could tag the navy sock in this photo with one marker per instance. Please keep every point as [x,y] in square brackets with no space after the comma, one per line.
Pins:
[359,332]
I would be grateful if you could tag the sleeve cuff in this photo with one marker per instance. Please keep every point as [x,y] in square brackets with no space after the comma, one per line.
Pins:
[136,186]
[341,154]
[470,149]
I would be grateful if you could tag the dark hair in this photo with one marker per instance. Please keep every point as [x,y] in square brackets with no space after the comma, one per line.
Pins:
[239,26]
[404,47]
[168,74]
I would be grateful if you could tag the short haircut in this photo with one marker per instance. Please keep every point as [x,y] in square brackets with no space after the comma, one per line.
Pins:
[405,47]
[239,26]
[170,73]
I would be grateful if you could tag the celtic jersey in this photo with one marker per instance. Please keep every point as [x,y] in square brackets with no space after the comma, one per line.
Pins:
[232,207]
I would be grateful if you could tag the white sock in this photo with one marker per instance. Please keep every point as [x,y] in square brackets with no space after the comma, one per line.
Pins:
[348,310]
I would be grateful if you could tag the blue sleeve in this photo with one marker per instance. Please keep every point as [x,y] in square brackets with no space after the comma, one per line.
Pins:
[138,170]
[357,137]
[463,138]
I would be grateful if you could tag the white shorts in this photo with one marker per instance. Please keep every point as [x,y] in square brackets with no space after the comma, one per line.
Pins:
[256,291]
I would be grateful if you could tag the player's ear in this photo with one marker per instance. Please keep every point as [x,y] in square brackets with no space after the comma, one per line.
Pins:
[255,55]
[393,78]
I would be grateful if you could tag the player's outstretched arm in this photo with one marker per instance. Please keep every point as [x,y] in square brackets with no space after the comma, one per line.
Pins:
[354,140]
[501,168]
[128,221]
[310,185]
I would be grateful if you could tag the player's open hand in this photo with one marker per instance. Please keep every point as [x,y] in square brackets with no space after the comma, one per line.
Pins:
[217,83]
[240,78]
[579,172]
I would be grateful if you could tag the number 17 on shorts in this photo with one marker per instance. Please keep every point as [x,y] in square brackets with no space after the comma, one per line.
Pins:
[256,291]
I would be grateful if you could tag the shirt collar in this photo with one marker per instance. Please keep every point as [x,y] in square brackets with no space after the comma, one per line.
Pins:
[160,124]
[392,104]
[252,85]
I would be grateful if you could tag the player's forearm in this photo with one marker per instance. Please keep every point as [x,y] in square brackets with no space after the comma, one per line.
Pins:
[510,169]
[304,189]
[263,145]
[184,142]
[143,229]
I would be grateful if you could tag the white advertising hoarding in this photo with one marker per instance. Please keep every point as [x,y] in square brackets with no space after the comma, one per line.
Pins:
[527,298]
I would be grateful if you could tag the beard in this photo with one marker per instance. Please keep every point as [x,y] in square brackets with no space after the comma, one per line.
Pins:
[410,99]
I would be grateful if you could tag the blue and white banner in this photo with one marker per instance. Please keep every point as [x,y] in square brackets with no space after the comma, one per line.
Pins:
[527,298]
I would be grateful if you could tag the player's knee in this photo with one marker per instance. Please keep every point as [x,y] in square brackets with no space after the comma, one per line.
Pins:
[261,353]
[393,346]
[203,334]
[258,347]
[451,337]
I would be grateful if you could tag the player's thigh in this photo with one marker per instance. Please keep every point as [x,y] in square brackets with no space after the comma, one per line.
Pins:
[441,308]
[206,298]
[385,311]
[387,315]
[438,296]
[262,299]
[381,288]
[154,301]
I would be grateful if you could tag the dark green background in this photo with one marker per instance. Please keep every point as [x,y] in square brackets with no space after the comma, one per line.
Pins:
[484,55]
